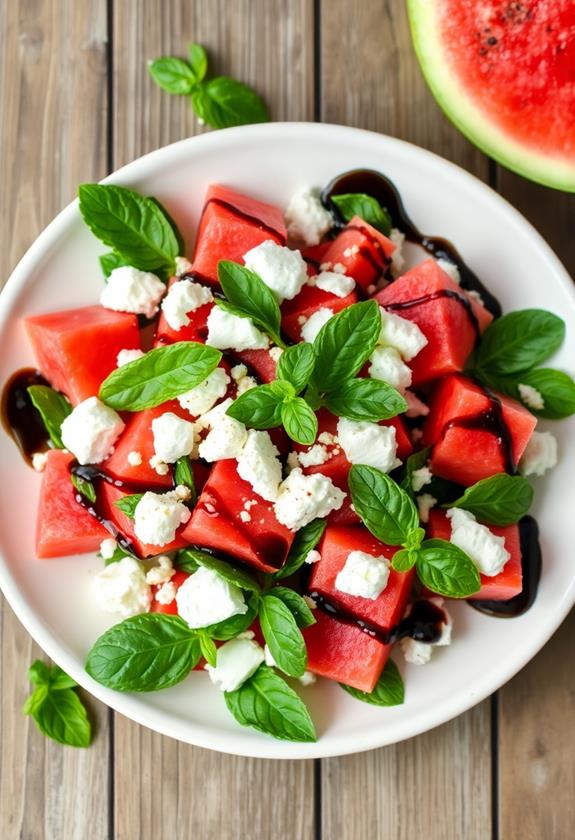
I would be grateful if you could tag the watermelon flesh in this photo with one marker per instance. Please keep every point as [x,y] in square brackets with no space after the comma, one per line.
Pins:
[362,250]
[168,609]
[297,311]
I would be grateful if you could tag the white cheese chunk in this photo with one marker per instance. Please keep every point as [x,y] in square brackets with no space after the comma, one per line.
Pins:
[302,498]
[183,265]
[230,332]
[276,354]
[173,437]
[108,548]
[258,463]
[282,269]
[246,383]
[401,334]
[226,437]
[531,397]
[158,516]
[134,458]
[130,290]
[419,653]
[419,478]
[482,546]
[397,258]
[238,372]
[39,461]
[91,430]
[450,269]
[126,356]
[307,219]
[540,454]
[237,661]
[206,598]
[312,556]
[307,678]
[363,575]
[424,503]
[387,365]
[334,283]
[204,396]
[184,297]
[162,571]
[314,323]
[368,443]
[121,588]
[166,593]
[314,456]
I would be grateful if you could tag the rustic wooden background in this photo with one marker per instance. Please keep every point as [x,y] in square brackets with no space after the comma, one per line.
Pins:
[76,102]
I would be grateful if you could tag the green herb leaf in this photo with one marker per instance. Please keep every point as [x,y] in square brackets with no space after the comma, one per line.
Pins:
[231,627]
[414,462]
[296,604]
[84,487]
[208,648]
[223,102]
[500,499]
[404,559]
[250,297]
[446,569]
[389,689]
[39,673]
[299,421]
[267,703]
[296,365]
[128,504]
[198,61]
[53,408]
[386,510]
[184,474]
[519,340]
[56,707]
[110,261]
[365,399]
[134,226]
[173,75]
[231,574]
[556,388]
[344,344]
[144,653]
[283,636]
[258,408]
[60,680]
[366,207]
[119,554]
[161,375]
[305,541]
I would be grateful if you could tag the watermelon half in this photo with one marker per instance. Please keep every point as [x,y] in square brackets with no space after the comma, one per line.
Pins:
[504,73]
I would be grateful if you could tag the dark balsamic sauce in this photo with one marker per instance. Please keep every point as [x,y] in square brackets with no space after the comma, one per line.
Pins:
[375,184]
[440,293]
[19,417]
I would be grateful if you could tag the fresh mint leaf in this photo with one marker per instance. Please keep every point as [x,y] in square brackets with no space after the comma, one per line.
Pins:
[414,462]
[223,102]
[299,421]
[444,568]
[231,627]
[208,649]
[128,504]
[344,344]
[296,604]
[134,226]
[258,408]
[198,61]
[500,499]
[53,408]
[84,487]
[296,365]
[519,340]
[144,653]
[184,475]
[60,680]
[305,541]
[267,703]
[173,75]
[161,375]
[250,298]
[366,207]
[404,559]
[389,689]
[557,390]
[39,673]
[56,707]
[365,399]
[231,574]
[110,261]
[283,636]
[385,509]
[119,554]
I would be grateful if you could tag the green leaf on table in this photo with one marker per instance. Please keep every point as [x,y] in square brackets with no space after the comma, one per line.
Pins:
[258,408]
[173,75]
[223,102]
[296,365]
[184,475]
[296,604]
[53,408]
[283,636]
[299,421]
[385,509]
[250,298]
[198,59]
[365,206]
[305,541]
[500,499]
[56,707]
[84,487]
[518,341]
[444,568]
[389,689]
[128,504]
[365,399]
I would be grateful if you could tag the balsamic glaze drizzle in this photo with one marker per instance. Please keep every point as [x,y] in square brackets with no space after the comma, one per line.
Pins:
[440,293]
[19,417]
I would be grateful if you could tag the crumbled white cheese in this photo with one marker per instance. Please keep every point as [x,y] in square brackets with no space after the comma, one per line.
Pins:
[276,353]
[121,588]
[268,657]
[204,396]
[424,503]
[419,653]
[227,436]
[482,546]
[158,465]
[282,269]
[90,431]
[334,283]
[387,365]
[327,438]
[238,372]
[471,293]
[230,332]
[206,598]
[39,461]
[166,594]
[307,219]
[126,356]
[302,498]
[130,290]
[351,252]
[183,265]
[108,548]
[450,269]
[401,334]
[363,575]
[397,258]
[368,443]
[314,323]
[314,456]
[415,406]
[258,463]
[307,678]
[158,516]
[245,516]
[162,572]
[183,297]
[420,477]
[237,661]
[173,437]
[292,461]
[339,268]
[134,458]
[531,397]
[312,556]
[540,454]
[245,384]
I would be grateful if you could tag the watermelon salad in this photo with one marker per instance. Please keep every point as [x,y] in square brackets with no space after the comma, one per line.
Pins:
[289,451]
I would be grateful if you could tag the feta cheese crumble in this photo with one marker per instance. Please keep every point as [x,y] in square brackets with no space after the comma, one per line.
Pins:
[258,463]
[108,548]
[124,357]
[419,653]
[39,461]
[205,598]
[183,265]
[401,334]
[162,572]
[134,458]
[276,354]
[314,323]
[204,396]
[236,662]
[368,443]
[363,575]
[166,594]
[312,556]
[282,269]
[307,678]
[387,365]
[540,454]
[226,437]
[173,437]
[424,503]
[419,478]
[314,456]
[334,283]
[158,516]
[90,431]
[307,219]
[184,297]
[230,332]
[450,269]
[121,588]
[302,498]
[397,258]
[238,372]
[531,397]
[482,546]
[130,290]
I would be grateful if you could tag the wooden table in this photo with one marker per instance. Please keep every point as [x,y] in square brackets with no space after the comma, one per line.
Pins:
[75,103]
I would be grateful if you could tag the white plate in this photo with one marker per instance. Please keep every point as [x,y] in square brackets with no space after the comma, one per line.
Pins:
[51,597]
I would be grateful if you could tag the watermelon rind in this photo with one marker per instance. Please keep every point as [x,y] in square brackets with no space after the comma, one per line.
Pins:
[467,116]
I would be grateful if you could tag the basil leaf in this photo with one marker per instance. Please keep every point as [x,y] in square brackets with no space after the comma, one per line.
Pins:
[60,680]
[305,541]
[208,649]
[84,487]
[365,399]
[557,390]
[250,297]
[133,225]
[258,408]
[161,375]
[519,340]
[61,716]
[110,261]
[389,689]
[404,559]
[386,510]
[296,605]
[299,421]
[53,408]
[225,570]
[414,462]
[173,75]
[184,474]
[500,499]
[296,365]
[364,206]
[144,653]
[128,504]
[446,569]
[223,102]
[35,700]
[198,61]
[345,343]
[39,673]
[283,636]
[231,627]
[185,562]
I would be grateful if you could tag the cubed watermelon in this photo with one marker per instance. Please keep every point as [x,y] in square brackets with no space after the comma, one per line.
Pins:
[259,363]
[168,609]
[196,330]
[297,311]
[362,250]
[76,349]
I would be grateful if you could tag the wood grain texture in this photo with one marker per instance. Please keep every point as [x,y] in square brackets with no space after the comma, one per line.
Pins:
[53,118]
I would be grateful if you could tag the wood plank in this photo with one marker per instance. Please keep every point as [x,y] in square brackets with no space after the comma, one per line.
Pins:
[160,784]
[53,117]
[438,785]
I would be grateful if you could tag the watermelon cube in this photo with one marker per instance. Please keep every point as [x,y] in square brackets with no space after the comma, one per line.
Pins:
[76,349]
[447,316]
[362,250]
[168,609]
[259,364]
[231,225]
[196,330]
[297,311]
[469,442]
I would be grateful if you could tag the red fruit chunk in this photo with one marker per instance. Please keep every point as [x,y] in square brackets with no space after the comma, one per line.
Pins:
[217,523]
[76,349]
[297,311]
[314,256]
[231,225]
[362,250]
[259,364]
[466,455]
[344,653]
[447,324]
[63,526]
[507,583]
[168,609]
[387,609]
[196,330]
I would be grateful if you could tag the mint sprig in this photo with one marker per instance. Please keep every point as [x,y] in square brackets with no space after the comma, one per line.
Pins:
[557,390]
[84,487]
[296,365]
[184,475]
[296,604]
[128,504]
[305,541]
[389,689]
[231,574]
[364,206]
[519,341]
[444,568]
[56,707]
[365,399]
[248,297]
[53,408]
[500,499]
[282,635]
